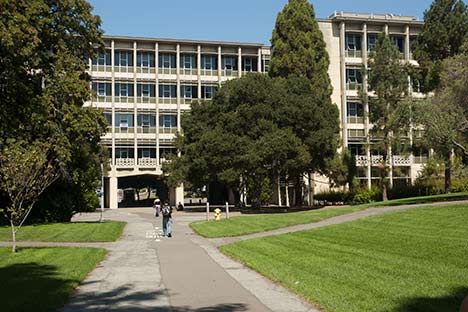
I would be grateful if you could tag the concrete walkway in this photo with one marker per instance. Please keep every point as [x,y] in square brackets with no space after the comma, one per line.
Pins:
[145,272]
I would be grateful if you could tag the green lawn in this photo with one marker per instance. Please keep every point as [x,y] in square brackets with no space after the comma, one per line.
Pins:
[42,279]
[412,260]
[243,225]
[107,231]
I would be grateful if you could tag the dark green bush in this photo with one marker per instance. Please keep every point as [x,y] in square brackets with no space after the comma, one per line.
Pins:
[334,197]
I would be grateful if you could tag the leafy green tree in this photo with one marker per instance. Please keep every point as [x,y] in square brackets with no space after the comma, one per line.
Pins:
[43,58]
[26,170]
[299,50]
[389,107]
[343,170]
[445,116]
[444,32]
[240,138]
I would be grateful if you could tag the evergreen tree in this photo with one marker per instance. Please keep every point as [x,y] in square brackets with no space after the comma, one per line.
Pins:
[389,109]
[299,50]
[444,32]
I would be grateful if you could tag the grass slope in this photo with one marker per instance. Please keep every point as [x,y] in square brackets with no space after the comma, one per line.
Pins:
[243,225]
[107,231]
[412,260]
[42,279]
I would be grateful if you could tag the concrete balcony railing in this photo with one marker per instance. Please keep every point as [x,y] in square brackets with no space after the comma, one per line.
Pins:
[353,86]
[353,53]
[125,162]
[147,162]
[398,160]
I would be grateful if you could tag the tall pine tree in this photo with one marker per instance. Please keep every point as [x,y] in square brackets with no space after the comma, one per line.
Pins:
[298,49]
[444,32]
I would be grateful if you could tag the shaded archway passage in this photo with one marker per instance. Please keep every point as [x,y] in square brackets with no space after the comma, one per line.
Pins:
[141,190]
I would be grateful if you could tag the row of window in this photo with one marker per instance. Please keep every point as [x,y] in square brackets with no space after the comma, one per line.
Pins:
[353,42]
[129,152]
[168,61]
[126,120]
[148,90]
[359,149]
[354,79]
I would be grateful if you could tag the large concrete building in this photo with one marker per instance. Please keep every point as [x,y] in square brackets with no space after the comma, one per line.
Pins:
[144,85]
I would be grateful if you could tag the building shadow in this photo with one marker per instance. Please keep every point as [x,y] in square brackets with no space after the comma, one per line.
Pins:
[450,303]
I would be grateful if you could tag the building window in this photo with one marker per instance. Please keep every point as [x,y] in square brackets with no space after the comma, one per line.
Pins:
[229,63]
[124,89]
[124,152]
[102,88]
[167,60]
[356,133]
[145,59]
[209,62]
[188,61]
[355,112]
[124,120]
[249,64]
[188,92]
[146,120]
[413,42]
[207,92]
[353,44]
[167,91]
[123,58]
[356,149]
[168,121]
[399,43]
[353,78]
[146,90]
[108,117]
[371,42]
[102,59]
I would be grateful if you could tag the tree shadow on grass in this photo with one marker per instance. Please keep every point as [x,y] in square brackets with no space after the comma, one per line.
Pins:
[33,287]
[449,303]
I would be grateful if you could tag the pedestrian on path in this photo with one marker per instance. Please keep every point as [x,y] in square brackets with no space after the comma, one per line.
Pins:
[166,212]
[157,207]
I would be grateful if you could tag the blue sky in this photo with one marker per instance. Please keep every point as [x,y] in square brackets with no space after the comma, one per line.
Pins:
[224,20]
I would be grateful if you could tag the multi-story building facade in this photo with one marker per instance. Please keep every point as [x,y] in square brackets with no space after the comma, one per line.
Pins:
[143,85]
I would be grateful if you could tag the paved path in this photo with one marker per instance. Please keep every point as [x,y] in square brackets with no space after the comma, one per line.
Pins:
[334,220]
[144,272]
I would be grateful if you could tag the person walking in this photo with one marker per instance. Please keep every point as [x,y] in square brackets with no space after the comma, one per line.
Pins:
[157,207]
[166,212]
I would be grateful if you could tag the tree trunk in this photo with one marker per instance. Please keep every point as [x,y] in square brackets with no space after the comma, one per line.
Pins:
[279,189]
[287,191]
[384,190]
[448,171]
[311,189]
[13,236]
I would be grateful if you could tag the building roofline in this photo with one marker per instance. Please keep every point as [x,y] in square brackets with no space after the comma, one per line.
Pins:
[187,41]
[370,17]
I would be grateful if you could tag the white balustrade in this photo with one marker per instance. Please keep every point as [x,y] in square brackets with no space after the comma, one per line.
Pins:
[361,161]
[147,162]
[125,162]
[376,160]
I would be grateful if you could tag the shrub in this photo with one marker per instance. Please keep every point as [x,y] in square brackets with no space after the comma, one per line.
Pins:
[364,196]
[334,197]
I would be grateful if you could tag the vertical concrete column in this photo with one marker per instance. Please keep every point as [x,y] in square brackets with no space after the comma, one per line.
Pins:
[179,194]
[390,160]
[239,62]
[259,60]
[156,70]
[386,29]
[178,85]
[113,105]
[343,85]
[407,43]
[113,186]
[199,71]
[366,106]
[135,107]
[219,64]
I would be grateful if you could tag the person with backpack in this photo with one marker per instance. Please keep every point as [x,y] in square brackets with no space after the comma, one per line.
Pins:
[166,212]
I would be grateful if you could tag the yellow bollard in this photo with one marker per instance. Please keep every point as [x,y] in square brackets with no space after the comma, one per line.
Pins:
[217,214]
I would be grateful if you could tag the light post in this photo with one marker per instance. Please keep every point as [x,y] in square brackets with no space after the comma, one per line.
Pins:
[102,191]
